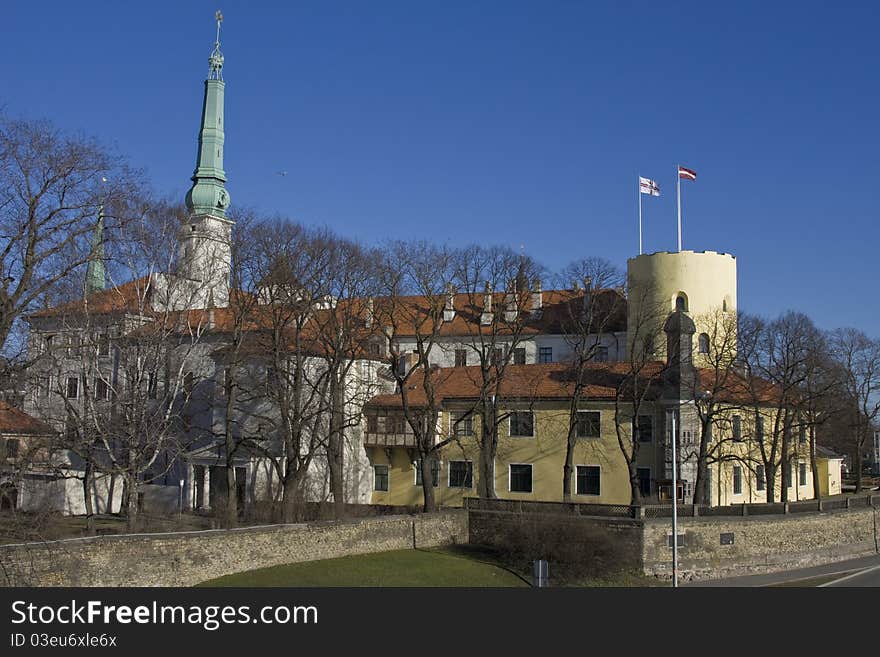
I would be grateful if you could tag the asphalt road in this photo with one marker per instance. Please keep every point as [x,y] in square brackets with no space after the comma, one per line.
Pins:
[855,572]
[865,577]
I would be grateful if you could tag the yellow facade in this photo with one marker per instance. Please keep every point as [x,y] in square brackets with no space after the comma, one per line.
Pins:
[544,451]
[829,475]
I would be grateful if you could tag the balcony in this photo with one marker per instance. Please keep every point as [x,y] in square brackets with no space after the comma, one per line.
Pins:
[389,439]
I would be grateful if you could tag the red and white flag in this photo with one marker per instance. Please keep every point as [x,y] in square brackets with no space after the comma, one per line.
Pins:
[687,174]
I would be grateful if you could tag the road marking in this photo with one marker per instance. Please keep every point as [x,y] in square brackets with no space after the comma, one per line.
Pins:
[855,574]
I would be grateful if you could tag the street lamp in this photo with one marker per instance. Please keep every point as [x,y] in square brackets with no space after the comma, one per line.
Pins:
[705,394]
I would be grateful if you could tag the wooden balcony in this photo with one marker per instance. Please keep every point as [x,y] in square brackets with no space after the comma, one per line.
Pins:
[389,440]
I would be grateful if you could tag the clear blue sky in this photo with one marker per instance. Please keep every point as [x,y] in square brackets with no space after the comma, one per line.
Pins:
[522,123]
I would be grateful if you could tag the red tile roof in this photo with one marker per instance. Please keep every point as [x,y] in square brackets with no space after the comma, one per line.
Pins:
[14,421]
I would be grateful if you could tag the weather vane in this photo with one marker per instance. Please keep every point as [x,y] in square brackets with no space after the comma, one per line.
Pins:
[216,58]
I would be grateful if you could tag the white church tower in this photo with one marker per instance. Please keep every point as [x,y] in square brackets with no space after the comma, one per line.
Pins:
[204,240]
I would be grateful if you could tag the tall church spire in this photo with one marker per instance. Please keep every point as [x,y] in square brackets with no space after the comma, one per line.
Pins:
[208,194]
[96,278]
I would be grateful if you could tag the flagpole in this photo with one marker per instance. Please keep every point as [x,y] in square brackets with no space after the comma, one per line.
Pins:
[678,187]
[639,191]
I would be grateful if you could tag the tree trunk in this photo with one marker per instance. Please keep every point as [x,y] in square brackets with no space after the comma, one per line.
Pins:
[292,494]
[858,468]
[87,499]
[488,444]
[230,511]
[131,509]
[335,445]
[426,465]
[770,482]
[568,466]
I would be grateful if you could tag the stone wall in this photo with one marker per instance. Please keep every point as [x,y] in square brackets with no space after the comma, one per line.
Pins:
[725,546]
[187,558]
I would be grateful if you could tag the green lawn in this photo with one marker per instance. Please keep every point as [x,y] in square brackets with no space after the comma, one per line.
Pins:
[397,568]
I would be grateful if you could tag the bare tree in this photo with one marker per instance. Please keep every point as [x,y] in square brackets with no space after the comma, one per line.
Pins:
[51,188]
[498,324]
[586,320]
[418,301]
[858,358]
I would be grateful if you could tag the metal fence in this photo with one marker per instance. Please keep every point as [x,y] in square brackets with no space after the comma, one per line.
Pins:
[665,510]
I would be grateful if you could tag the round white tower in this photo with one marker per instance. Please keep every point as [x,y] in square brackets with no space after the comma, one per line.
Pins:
[701,283]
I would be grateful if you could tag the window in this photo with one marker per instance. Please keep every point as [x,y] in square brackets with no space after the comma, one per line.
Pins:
[703,343]
[72,387]
[588,424]
[272,380]
[802,434]
[497,356]
[44,384]
[587,480]
[681,303]
[519,356]
[188,383]
[460,357]
[380,477]
[395,424]
[152,385]
[71,345]
[102,390]
[522,424]
[103,344]
[737,480]
[802,474]
[601,355]
[759,429]
[760,481]
[520,478]
[48,342]
[545,354]
[644,475]
[462,425]
[791,475]
[461,474]
[737,428]
[435,472]
[372,424]
[12,448]
[646,428]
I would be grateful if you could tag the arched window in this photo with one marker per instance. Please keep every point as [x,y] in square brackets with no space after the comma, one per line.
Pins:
[703,343]
[681,303]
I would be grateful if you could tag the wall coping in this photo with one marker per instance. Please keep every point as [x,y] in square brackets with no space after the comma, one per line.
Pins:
[199,533]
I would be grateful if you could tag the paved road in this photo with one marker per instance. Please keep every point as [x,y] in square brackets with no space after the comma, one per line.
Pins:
[869,566]
[866,577]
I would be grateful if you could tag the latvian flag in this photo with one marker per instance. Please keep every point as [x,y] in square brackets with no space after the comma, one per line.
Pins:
[648,187]
[687,174]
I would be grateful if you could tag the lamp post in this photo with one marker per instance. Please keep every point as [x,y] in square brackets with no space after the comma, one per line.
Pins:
[674,501]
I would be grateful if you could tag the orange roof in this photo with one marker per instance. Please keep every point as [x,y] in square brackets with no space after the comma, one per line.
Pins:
[558,308]
[15,421]
[132,297]
[538,381]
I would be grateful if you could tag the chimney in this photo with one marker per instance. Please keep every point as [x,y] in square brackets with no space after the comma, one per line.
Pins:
[510,303]
[537,298]
[368,321]
[588,295]
[449,308]
[487,315]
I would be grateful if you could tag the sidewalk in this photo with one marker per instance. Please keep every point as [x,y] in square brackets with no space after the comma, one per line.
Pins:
[769,579]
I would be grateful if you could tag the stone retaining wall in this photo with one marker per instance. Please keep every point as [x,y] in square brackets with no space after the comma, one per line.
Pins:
[725,546]
[187,558]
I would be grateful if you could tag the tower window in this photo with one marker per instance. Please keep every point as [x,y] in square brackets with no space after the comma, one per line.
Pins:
[703,343]
[681,303]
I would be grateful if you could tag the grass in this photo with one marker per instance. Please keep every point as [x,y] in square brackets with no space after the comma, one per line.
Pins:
[433,568]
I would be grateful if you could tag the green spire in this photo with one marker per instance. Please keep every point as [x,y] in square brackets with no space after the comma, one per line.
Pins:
[208,194]
[96,279]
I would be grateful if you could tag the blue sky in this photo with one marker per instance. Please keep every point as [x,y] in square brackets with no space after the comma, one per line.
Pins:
[520,123]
